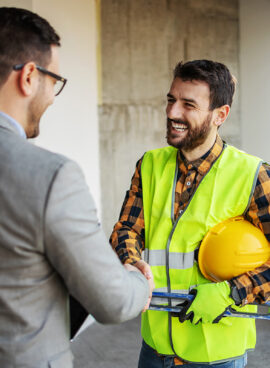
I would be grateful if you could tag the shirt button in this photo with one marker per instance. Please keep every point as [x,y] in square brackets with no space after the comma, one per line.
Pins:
[188,183]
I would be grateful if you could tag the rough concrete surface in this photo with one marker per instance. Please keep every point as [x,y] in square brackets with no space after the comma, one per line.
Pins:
[141,42]
[118,346]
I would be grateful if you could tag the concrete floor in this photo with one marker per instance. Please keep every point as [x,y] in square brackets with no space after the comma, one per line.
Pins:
[118,346]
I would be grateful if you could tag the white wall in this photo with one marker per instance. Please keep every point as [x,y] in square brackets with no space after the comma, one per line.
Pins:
[70,126]
[26,4]
[255,76]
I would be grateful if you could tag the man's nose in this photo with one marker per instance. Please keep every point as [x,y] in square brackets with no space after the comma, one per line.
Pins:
[175,111]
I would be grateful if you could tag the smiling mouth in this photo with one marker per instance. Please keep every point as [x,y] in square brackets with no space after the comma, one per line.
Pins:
[179,127]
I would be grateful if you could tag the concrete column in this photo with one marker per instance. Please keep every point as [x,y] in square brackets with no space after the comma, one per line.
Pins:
[255,76]
[141,43]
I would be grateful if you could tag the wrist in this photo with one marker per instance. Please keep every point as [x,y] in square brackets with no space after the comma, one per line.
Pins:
[234,294]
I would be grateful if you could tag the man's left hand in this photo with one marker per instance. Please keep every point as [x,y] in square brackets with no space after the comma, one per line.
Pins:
[209,303]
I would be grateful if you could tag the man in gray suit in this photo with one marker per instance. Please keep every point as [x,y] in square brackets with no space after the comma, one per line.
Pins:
[51,244]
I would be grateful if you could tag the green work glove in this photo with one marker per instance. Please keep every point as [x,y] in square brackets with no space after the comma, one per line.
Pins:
[210,302]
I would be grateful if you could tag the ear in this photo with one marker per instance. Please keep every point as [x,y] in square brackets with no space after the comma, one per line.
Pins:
[28,80]
[221,115]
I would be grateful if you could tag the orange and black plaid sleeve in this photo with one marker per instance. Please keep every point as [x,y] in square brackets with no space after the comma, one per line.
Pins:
[127,238]
[254,286]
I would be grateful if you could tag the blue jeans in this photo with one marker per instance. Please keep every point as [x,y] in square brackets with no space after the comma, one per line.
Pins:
[150,359]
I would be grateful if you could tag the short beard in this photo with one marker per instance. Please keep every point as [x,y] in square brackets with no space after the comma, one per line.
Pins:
[32,130]
[195,136]
[35,111]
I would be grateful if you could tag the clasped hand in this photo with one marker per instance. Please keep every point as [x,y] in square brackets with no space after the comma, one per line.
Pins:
[145,269]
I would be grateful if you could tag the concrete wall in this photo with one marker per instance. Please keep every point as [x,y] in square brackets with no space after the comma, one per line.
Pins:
[142,41]
[70,125]
[255,76]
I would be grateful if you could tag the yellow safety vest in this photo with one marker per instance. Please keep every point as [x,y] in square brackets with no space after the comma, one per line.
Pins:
[170,245]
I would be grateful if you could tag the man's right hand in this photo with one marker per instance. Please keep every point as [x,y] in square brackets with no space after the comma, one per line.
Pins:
[145,269]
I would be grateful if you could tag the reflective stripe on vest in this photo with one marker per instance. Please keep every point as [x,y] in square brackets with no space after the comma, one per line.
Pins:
[224,192]
[177,260]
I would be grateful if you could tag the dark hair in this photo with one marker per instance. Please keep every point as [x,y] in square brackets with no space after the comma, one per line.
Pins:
[218,77]
[24,37]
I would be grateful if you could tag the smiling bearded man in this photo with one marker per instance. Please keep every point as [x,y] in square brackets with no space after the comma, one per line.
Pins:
[177,194]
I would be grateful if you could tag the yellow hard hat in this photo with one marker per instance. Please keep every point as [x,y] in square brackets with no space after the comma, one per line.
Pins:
[231,248]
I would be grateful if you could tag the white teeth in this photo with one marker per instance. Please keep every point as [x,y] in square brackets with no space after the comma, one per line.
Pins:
[179,127]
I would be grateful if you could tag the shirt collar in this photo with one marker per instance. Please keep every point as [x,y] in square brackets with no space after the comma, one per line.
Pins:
[204,163]
[14,123]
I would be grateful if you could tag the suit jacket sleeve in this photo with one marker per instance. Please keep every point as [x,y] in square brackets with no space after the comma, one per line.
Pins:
[79,251]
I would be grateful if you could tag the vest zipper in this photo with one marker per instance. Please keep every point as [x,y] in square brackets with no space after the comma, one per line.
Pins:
[175,222]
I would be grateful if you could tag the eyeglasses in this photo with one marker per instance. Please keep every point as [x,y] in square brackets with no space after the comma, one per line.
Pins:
[60,81]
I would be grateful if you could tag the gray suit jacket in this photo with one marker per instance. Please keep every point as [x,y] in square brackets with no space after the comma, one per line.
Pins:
[51,244]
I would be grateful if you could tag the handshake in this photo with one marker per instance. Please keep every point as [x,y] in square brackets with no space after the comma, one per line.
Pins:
[145,269]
